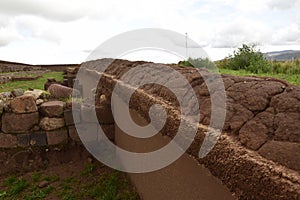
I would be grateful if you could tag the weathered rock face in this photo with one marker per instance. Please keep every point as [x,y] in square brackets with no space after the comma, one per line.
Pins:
[35,93]
[52,108]
[19,123]
[261,113]
[59,91]
[23,104]
[57,136]
[8,141]
[17,92]
[49,124]
[285,153]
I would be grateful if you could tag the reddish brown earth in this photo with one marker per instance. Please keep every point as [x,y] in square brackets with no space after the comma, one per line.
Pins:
[258,154]
[70,171]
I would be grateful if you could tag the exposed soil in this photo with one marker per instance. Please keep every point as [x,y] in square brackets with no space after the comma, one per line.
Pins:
[66,172]
[258,154]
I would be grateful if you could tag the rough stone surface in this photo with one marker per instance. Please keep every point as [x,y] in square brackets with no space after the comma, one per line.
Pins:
[284,153]
[60,91]
[38,139]
[287,127]
[253,135]
[17,92]
[39,102]
[104,115]
[72,116]
[259,111]
[23,104]
[73,134]
[52,108]
[36,93]
[49,124]
[57,136]
[8,141]
[23,140]
[19,123]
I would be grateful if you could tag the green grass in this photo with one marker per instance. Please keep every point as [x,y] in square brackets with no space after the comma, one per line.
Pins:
[291,78]
[35,84]
[94,181]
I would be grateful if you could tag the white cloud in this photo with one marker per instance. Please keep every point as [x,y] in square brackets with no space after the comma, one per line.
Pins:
[282,5]
[72,28]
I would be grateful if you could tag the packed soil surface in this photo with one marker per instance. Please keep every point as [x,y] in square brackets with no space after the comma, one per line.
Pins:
[66,172]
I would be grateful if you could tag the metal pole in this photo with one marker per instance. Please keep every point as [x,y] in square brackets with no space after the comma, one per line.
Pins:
[186,45]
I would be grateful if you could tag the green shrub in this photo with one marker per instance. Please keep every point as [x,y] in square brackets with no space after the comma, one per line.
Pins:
[246,58]
[198,63]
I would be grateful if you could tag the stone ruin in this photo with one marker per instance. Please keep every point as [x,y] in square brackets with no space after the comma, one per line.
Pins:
[258,153]
[256,157]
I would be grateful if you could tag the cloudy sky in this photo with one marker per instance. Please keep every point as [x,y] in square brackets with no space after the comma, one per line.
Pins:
[60,31]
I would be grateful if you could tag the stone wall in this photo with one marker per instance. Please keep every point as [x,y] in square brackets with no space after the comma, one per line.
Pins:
[5,78]
[258,153]
[6,66]
[256,157]
[32,120]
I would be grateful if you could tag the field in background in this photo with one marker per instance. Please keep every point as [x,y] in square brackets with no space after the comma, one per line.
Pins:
[35,84]
[291,78]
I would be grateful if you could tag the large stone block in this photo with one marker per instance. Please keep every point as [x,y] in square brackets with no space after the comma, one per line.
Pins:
[8,141]
[73,134]
[72,116]
[60,91]
[49,124]
[284,153]
[23,140]
[253,135]
[52,108]
[57,137]
[19,123]
[34,93]
[38,139]
[23,104]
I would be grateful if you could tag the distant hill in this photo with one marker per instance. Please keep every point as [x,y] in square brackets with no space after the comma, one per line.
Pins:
[283,55]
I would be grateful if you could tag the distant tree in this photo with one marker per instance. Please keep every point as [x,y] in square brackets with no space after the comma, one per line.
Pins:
[198,63]
[247,58]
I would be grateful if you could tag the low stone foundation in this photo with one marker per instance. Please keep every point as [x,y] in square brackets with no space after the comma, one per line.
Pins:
[30,120]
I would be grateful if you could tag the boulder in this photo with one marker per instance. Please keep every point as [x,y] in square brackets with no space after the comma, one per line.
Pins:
[39,102]
[49,82]
[35,93]
[57,136]
[287,127]
[7,141]
[284,153]
[17,92]
[19,123]
[38,139]
[23,104]
[49,124]
[73,134]
[60,91]
[52,108]
[253,135]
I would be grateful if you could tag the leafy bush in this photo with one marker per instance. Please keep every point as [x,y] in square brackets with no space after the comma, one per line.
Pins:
[198,63]
[247,58]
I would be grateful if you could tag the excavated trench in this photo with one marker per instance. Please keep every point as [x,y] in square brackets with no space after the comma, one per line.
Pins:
[256,157]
